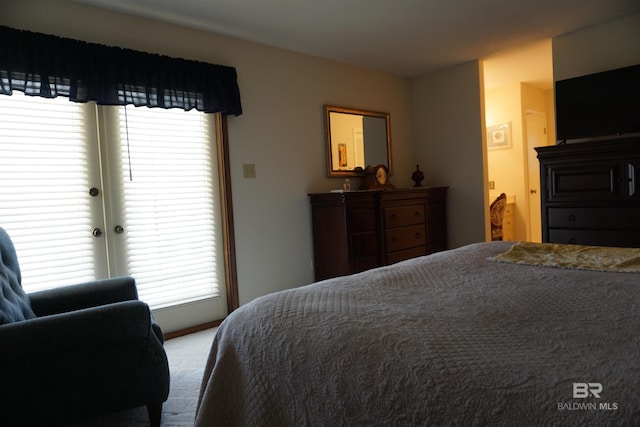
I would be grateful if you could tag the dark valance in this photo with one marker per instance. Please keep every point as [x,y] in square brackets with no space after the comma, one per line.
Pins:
[51,66]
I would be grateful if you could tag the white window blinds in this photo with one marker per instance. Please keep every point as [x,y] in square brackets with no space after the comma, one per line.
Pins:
[169,208]
[153,172]
[44,189]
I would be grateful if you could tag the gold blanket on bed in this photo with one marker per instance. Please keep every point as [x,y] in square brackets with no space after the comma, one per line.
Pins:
[597,258]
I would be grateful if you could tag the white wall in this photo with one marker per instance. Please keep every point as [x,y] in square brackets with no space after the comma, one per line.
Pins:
[603,47]
[281,130]
[506,165]
[448,131]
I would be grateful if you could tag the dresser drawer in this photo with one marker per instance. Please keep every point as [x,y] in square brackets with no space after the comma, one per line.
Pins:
[508,209]
[405,237]
[398,256]
[595,218]
[403,215]
[621,238]
[588,181]
[508,228]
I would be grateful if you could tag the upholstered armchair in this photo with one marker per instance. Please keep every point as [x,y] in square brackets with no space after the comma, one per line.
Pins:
[496,210]
[76,352]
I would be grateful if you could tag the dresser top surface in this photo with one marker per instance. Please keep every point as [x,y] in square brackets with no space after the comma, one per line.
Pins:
[398,191]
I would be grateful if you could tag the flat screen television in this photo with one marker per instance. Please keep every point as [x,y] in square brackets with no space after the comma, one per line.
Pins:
[598,105]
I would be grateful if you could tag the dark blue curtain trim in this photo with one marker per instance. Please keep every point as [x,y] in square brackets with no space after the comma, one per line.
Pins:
[51,66]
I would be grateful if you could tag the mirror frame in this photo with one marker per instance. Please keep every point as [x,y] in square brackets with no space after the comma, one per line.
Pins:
[328,109]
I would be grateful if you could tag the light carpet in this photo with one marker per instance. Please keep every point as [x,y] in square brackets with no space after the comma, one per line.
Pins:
[187,357]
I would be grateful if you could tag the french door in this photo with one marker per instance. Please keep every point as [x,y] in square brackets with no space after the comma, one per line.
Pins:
[90,192]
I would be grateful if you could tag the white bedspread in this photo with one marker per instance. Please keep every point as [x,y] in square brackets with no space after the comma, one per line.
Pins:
[449,339]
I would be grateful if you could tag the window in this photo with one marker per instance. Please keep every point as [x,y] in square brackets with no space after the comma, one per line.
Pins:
[152,172]
[45,176]
[168,203]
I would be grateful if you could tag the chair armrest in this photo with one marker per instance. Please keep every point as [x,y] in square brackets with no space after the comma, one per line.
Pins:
[99,327]
[85,295]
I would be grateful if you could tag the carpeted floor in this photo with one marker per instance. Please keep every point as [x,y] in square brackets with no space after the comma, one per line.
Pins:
[187,356]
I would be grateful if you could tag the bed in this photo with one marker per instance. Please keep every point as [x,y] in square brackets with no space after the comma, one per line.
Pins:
[454,338]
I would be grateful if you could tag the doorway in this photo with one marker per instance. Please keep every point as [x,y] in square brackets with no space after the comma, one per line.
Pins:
[518,89]
[536,136]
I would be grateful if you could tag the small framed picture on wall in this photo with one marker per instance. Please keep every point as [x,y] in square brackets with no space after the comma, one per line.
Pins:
[499,136]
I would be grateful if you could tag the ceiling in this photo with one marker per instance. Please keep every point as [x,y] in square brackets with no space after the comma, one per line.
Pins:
[531,64]
[402,37]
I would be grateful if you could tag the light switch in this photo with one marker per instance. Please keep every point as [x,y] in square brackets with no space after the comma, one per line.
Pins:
[248,170]
[492,185]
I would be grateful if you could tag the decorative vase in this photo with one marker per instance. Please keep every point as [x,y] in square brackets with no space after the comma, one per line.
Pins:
[417,176]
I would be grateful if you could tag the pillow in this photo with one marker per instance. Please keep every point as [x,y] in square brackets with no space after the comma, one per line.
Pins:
[14,303]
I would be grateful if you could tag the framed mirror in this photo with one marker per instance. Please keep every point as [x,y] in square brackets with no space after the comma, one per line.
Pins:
[356,139]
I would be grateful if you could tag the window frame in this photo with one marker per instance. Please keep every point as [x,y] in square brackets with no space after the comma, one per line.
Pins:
[226,206]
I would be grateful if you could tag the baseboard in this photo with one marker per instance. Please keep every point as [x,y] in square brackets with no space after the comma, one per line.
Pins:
[192,329]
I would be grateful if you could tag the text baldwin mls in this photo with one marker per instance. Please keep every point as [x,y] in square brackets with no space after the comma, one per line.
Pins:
[582,391]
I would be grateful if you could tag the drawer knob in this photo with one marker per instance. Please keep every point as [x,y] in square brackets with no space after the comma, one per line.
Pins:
[571,217]
[573,241]
[417,235]
[394,217]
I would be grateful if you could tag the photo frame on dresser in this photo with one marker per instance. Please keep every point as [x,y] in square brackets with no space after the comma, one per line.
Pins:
[499,136]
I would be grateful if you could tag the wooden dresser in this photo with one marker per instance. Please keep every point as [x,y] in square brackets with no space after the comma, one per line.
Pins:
[354,231]
[508,222]
[590,193]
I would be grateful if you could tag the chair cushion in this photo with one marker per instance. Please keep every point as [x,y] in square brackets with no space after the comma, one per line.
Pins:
[14,303]
[496,209]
